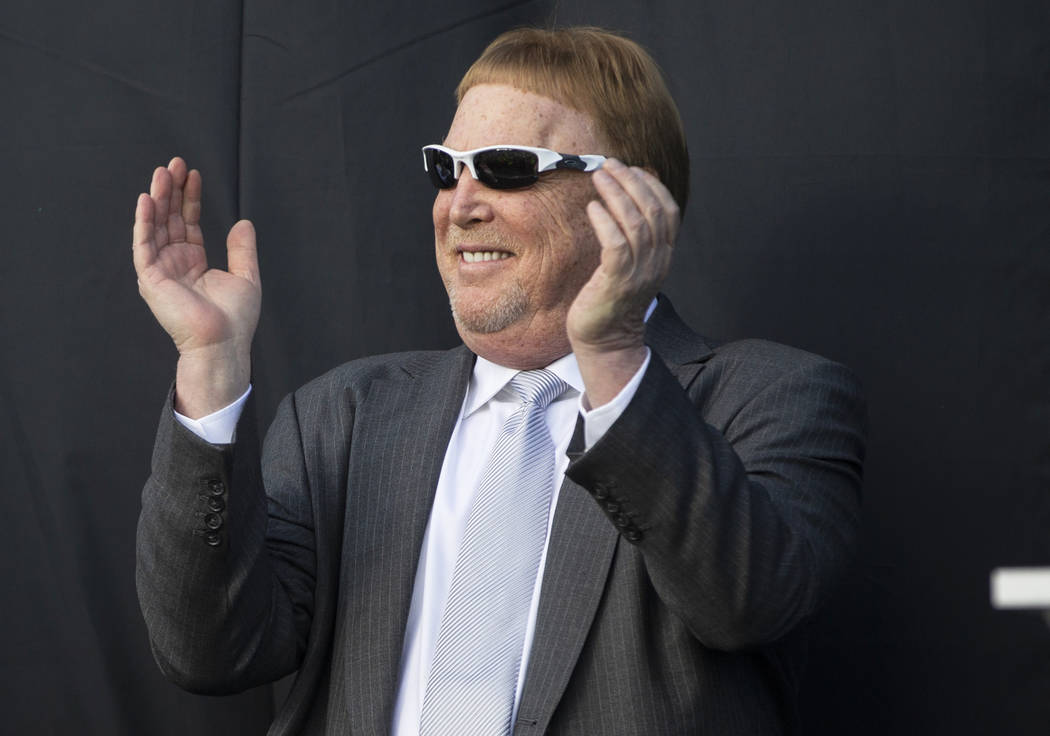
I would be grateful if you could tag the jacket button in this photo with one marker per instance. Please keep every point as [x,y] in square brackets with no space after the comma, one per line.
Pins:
[213,521]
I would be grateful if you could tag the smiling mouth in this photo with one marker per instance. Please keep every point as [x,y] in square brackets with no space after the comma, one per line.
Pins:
[484,255]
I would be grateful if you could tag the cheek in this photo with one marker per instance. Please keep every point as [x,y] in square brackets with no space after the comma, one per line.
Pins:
[571,238]
[440,211]
[555,206]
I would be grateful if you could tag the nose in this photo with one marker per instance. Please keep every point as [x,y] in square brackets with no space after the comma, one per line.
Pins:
[471,201]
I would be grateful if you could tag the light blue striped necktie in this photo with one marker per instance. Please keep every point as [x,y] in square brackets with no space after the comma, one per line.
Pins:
[474,674]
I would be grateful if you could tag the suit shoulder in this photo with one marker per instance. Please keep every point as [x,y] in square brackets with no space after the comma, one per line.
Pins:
[766,355]
[761,363]
[356,375]
[775,380]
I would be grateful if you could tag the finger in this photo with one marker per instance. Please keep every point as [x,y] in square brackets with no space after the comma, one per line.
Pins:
[242,258]
[177,168]
[642,187]
[176,227]
[616,254]
[667,201]
[191,207]
[651,198]
[632,203]
[160,192]
[143,249]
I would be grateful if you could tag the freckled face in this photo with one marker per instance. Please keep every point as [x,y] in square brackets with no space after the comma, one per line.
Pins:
[528,251]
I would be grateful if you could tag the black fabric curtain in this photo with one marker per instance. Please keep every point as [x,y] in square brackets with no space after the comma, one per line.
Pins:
[870,182]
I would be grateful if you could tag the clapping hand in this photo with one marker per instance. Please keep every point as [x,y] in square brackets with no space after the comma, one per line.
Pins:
[209,313]
[636,223]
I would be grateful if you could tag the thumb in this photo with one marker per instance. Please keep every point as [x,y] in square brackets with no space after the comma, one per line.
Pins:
[242,258]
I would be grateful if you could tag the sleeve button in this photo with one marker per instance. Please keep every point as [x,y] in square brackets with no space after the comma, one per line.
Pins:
[216,504]
[213,539]
[633,534]
[216,487]
[213,521]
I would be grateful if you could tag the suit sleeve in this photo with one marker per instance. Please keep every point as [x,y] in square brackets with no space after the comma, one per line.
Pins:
[224,573]
[744,527]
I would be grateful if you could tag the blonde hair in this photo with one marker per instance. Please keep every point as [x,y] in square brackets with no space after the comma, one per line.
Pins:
[607,76]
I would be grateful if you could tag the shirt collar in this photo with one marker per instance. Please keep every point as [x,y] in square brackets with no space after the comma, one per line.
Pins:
[489,378]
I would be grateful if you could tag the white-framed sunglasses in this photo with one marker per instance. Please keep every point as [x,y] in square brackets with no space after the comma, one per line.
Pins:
[503,166]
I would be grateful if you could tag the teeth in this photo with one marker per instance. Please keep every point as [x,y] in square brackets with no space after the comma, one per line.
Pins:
[484,255]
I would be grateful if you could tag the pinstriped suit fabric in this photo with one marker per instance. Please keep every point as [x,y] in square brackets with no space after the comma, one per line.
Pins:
[739,465]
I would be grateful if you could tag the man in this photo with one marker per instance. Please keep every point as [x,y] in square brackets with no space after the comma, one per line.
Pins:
[638,557]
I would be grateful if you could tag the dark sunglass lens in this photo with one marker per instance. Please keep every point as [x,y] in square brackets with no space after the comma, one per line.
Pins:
[442,169]
[505,168]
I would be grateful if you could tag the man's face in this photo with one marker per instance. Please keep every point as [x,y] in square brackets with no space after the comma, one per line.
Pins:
[539,245]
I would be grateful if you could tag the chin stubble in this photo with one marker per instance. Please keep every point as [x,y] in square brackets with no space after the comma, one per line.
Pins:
[508,308]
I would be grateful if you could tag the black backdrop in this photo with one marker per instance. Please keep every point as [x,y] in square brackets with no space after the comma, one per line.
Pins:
[871,182]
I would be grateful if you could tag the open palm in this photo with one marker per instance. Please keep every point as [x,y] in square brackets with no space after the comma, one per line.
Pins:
[201,308]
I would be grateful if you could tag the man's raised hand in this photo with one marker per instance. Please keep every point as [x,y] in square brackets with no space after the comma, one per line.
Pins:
[636,223]
[210,314]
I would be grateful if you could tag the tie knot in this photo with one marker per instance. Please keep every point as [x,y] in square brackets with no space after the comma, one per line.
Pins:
[537,387]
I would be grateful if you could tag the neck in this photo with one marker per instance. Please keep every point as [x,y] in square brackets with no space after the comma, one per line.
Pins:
[516,348]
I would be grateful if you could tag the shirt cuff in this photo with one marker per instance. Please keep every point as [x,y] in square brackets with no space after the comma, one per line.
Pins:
[596,422]
[218,427]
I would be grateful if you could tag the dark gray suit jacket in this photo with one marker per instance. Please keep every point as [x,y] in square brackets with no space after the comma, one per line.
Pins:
[689,547]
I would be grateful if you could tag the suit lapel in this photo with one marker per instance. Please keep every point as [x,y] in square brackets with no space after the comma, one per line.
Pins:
[582,548]
[682,350]
[401,432]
